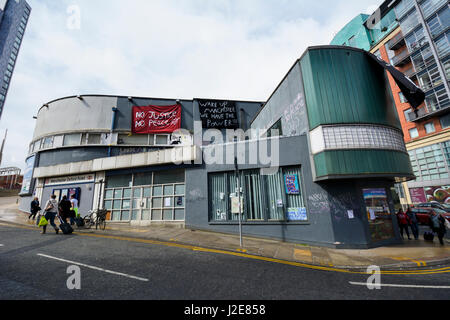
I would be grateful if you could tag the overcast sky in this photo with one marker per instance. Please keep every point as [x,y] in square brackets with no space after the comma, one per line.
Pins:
[230,49]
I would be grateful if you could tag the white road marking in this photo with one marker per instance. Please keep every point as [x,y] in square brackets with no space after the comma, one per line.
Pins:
[402,285]
[94,268]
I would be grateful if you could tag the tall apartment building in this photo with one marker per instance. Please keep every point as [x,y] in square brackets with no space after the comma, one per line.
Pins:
[413,36]
[14,15]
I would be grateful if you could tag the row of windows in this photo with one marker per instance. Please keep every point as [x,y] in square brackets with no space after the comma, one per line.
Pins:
[439,22]
[431,162]
[362,137]
[80,139]
[157,196]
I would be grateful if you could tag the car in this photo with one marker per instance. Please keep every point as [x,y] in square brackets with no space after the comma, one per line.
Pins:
[423,214]
[442,206]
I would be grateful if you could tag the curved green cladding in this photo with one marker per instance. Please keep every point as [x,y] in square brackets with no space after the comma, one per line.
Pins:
[343,86]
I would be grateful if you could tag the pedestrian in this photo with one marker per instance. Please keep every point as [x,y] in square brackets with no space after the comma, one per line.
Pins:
[403,222]
[74,202]
[65,207]
[414,223]
[34,208]
[437,225]
[51,210]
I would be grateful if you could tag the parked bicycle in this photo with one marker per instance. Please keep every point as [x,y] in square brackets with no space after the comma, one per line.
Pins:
[97,218]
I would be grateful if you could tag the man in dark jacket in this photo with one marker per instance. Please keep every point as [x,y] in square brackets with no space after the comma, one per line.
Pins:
[414,223]
[34,208]
[64,209]
[437,224]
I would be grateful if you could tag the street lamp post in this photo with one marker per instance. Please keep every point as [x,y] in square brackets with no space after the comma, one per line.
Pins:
[239,200]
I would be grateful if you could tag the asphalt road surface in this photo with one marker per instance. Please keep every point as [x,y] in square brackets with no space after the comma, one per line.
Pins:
[35,266]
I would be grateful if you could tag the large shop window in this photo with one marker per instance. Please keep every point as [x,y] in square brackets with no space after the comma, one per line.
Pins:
[265,198]
[158,196]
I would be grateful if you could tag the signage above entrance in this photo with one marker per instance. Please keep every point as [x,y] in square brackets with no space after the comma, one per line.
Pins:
[156,119]
[70,180]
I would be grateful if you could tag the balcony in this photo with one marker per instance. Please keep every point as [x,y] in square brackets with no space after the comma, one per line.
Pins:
[401,59]
[396,42]
[423,114]
[410,73]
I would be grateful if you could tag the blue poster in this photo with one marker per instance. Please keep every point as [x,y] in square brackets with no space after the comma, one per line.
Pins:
[297,214]
[291,183]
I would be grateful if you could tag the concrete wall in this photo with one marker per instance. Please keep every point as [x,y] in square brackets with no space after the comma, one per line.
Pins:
[318,230]
[75,115]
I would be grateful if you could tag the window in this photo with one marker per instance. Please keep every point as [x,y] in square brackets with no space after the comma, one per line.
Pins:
[430,6]
[409,22]
[133,139]
[442,45]
[277,126]
[47,143]
[413,133]
[445,121]
[94,138]
[408,114]
[161,139]
[351,41]
[264,198]
[72,139]
[429,127]
[402,97]
[136,197]
[439,21]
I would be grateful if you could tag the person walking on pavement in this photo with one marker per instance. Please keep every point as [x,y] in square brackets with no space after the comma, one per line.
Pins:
[403,222]
[65,207]
[437,225]
[34,208]
[414,223]
[74,203]
[51,210]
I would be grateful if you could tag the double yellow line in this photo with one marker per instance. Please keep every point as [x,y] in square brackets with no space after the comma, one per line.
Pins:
[260,258]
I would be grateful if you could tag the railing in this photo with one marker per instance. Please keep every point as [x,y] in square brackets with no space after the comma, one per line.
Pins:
[430,6]
[398,59]
[396,41]
[410,72]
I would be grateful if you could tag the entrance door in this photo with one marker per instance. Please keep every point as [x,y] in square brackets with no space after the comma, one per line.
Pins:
[378,214]
[141,203]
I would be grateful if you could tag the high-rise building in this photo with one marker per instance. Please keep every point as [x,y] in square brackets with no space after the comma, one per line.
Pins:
[413,36]
[14,15]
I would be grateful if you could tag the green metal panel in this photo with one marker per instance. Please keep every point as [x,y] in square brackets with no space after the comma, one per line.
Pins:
[362,162]
[354,34]
[343,86]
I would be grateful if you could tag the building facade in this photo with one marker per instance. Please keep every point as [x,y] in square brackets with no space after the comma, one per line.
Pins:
[316,163]
[14,16]
[417,44]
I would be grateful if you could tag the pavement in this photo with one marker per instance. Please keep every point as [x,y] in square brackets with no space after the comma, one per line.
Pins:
[414,254]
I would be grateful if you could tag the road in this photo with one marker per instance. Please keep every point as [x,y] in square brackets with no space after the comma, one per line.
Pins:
[34,266]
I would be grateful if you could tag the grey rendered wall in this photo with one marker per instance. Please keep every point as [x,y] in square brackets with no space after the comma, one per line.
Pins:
[24,203]
[75,115]
[286,103]
[294,151]
[69,155]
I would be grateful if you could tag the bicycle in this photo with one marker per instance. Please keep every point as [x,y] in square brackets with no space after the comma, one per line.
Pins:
[97,218]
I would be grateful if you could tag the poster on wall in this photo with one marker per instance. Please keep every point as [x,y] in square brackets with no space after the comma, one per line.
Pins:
[439,194]
[28,176]
[291,184]
[378,214]
[297,214]
[417,195]
[216,114]
[156,119]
